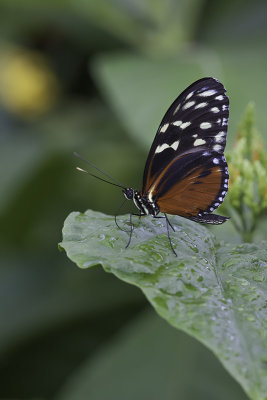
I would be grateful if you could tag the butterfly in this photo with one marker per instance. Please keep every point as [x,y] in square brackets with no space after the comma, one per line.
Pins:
[186,172]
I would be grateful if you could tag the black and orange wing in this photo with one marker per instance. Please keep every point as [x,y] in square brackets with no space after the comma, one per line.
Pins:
[186,172]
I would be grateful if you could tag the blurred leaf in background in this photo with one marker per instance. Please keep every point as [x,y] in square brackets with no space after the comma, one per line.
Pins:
[96,77]
[134,366]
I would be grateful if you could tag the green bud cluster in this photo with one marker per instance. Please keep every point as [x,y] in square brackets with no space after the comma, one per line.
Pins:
[247,197]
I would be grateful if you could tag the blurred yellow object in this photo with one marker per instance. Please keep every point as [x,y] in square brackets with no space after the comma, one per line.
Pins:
[28,86]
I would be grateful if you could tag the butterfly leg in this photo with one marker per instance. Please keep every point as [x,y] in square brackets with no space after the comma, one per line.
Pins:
[121,229]
[131,231]
[168,233]
[169,222]
[165,216]
[116,215]
[139,215]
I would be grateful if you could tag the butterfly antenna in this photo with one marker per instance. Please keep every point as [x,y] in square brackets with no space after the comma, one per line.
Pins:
[98,169]
[98,177]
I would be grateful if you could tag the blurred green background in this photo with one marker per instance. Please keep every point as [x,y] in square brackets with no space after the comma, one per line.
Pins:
[96,76]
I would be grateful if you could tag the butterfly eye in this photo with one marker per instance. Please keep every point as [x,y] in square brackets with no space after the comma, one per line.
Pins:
[128,193]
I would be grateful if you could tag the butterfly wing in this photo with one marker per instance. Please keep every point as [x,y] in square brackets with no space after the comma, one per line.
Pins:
[186,172]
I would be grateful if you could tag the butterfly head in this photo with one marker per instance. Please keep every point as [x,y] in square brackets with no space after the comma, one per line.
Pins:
[128,193]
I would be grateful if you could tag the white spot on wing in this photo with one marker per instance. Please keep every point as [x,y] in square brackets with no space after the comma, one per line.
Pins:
[215,161]
[195,135]
[225,121]
[177,123]
[207,93]
[175,145]
[205,125]
[199,142]
[185,125]
[214,109]
[188,105]
[177,109]
[201,105]
[165,146]
[189,95]
[220,137]
[164,128]
[217,147]
[161,147]
[220,97]
[224,107]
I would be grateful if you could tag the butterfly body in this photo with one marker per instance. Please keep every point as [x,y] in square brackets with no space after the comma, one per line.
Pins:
[144,205]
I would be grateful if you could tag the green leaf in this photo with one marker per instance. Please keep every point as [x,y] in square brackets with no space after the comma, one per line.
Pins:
[164,367]
[215,293]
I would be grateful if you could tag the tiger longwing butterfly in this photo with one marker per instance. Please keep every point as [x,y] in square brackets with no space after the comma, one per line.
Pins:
[186,172]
